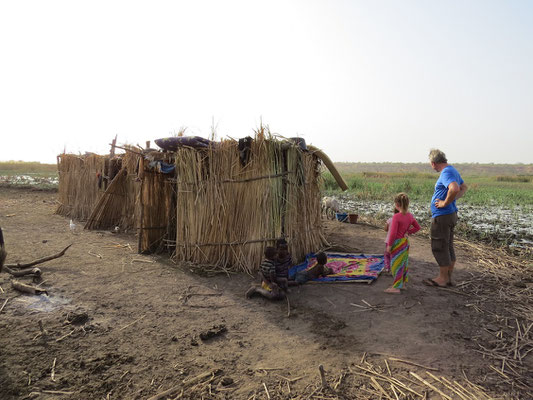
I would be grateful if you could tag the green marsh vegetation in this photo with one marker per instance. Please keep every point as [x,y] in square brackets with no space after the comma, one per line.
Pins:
[483,190]
[497,208]
[28,174]
[12,168]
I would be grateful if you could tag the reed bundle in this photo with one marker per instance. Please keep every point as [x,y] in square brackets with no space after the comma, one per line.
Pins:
[227,213]
[78,184]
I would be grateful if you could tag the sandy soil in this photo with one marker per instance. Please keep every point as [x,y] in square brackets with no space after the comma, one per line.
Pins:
[119,325]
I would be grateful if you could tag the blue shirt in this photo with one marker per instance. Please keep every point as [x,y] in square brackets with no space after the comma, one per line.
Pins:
[448,175]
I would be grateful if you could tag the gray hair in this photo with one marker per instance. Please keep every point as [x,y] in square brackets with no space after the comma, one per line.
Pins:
[438,157]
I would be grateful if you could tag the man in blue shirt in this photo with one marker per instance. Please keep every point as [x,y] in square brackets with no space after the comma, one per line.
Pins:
[449,187]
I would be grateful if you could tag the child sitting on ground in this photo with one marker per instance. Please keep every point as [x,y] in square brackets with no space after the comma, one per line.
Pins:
[283,264]
[269,288]
[316,271]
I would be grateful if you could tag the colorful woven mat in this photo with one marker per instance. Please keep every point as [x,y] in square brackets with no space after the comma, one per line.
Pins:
[346,267]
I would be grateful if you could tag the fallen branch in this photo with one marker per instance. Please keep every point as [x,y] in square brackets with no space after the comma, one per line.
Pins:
[39,261]
[22,287]
[36,272]
[3,305]
[412,363]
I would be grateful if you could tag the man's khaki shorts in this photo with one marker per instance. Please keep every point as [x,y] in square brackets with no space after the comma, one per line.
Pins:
[442,228]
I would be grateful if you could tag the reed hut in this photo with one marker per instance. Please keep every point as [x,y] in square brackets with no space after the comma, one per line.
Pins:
[219,204]
[228,210]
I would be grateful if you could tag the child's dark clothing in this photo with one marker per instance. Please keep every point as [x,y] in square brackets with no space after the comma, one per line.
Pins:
[314,272]
[268,269]
[282,267]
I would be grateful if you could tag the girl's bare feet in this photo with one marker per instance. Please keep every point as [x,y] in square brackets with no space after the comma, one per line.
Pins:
[392,290]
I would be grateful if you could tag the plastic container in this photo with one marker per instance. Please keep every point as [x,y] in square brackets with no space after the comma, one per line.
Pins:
[353,218]
[341,217]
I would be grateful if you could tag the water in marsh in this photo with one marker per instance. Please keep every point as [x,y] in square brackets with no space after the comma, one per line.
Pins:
[29,180]
[512,226]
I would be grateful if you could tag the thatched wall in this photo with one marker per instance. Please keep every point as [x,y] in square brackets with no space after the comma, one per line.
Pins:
[78,184]
[228,213]
[118,206]
[157,215]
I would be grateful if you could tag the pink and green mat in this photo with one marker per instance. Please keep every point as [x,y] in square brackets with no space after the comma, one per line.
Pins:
[346,267]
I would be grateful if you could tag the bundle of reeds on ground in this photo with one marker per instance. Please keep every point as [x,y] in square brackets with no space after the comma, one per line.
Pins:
[227,212]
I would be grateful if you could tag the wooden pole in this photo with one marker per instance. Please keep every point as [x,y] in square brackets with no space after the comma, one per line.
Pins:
[112,153]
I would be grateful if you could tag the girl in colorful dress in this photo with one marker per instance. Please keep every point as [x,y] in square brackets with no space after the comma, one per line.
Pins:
[403,224]
[387,254]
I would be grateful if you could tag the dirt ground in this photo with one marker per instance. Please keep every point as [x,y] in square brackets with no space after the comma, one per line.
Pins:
[119,325]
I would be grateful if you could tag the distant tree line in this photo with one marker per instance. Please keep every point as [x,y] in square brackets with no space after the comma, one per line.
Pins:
[469,169]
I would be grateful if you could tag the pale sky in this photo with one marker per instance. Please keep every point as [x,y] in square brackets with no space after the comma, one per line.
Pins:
[366,81]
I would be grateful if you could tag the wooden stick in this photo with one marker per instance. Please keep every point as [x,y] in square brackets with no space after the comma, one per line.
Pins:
[126,149]
[3,305]
[65,336]
[23,272]
[53,374]
[288,306]
[40,260]
[413,363]
[22,287]
[266,390]
[130,324]
[289,379]
[56,392]
[323,376]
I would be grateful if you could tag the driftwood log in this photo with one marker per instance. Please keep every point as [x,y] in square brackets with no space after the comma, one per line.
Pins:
[3,253]
[22,287]
[38,261]
[34,272]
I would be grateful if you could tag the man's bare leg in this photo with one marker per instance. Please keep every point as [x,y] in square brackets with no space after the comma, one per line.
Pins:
[444,276]
[450,272]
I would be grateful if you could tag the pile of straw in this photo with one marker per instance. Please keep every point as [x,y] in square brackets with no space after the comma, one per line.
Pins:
[505,283]
[228,213]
